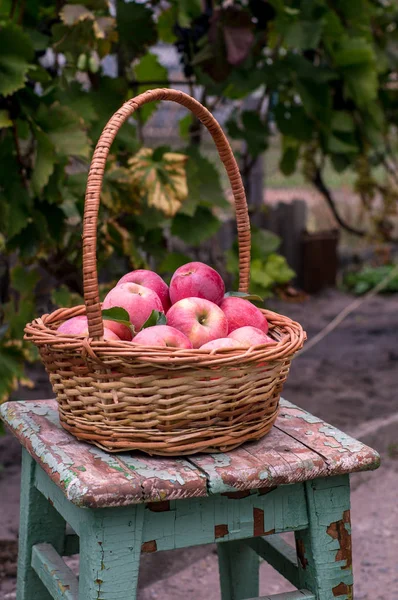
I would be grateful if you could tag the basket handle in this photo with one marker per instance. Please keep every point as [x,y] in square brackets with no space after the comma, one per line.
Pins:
[94,184]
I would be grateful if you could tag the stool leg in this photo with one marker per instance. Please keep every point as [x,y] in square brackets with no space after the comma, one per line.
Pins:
[39,522]
[239,566]
[110,550]
[324,549]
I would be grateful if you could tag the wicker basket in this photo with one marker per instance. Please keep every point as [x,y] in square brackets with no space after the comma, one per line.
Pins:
[120,396]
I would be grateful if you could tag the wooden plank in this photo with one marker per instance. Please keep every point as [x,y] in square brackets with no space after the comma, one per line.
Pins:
[340,452]
[279,554]
[39,522]
[297,595]
[110,550]
[224,518]
[300,447]
[239,570]
[71,513]
[324,549]
[60,581]
[274,460]
[90,477]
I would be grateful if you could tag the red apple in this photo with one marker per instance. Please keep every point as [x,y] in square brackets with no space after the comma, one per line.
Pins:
[123,332]
[137,300]
[162,335]
[241,313]
[250,336]
[222,343]
[199,319]
[79,326]
[151,280]
[196,280]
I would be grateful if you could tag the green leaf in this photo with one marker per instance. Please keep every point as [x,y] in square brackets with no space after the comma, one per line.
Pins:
[253,131]
[39,40]
[39,74]
[357,60]
[289,159]
[65,130]
[155,318]
[340,162]
[264,242]
[338,146]
[136,28]
[5,119]
[184,126]
[342,121]
[16,52]
[62,296]
[245,295]
[15,209]
[259,275]
[303,35]
[44,162]
[149,69]
[24,280]
[166,21]
[204,185]
[117,314]
[316,99]
[107,98]
[196,229]
[187,11]
[81,103]
[354,52]
[277,269]
[362,84]
[172,261]
[11,369]
[293,121]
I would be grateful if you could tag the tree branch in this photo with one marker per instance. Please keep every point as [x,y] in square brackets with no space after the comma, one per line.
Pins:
[320,185]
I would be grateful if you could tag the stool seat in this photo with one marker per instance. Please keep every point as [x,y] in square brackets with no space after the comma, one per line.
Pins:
[300,447]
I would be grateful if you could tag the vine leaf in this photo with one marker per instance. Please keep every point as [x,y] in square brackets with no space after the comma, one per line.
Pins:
[72,14]
[65,130]
[44,162]
[119,315]
[155,318]
[244,295]
[5,120]
[196,229]
[149,69]
[16,52]
[161,179]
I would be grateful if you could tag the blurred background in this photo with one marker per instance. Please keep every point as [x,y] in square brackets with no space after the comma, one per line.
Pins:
[307,93]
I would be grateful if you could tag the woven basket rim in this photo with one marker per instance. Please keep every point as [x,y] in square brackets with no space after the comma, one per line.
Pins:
[43,333]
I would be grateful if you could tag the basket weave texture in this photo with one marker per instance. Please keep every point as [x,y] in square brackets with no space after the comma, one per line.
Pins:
[121,396]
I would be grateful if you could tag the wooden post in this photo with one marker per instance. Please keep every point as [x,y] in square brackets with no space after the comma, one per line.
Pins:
[39,522]
[324,549]
[239,570]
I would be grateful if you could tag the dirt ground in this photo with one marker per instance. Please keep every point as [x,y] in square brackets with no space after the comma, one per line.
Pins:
[349,378]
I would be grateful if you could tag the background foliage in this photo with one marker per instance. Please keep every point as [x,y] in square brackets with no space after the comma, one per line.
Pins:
[322,73]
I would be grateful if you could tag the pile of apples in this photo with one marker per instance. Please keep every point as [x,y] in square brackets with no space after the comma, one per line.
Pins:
[195,307]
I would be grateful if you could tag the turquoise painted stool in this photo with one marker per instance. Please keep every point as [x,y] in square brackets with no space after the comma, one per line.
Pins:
[120,505]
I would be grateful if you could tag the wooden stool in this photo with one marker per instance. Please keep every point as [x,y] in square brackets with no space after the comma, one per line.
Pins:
[119,505]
